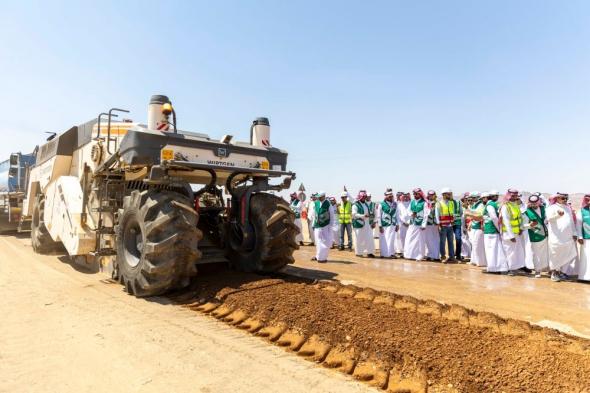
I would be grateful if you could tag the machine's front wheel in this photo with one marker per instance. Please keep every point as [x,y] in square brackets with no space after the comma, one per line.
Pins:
[274,234]
[40,238]
[157,240]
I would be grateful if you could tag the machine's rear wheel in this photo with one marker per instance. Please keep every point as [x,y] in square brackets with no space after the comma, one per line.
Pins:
[40,238]
[157,239]
[274,236]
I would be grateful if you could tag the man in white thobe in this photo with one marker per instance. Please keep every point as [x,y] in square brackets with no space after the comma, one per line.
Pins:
[475,216]
[536,246]
[512,239]
[309,208]
[495,258]
[415,244]
[465,239]
[296,207]
[335,223]
[364,243]
[386,215]
[562,236]
[323,219]
[403,209]
[583,226]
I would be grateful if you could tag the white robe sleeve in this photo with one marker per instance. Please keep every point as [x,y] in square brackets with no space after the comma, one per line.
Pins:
[332,215]
[526,223]
[505,214]
[378,211]
[579,224]
[356,214]
[493,216]
[311,212]
[552,213]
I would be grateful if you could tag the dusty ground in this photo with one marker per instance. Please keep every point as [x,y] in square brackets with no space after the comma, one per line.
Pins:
[66,331]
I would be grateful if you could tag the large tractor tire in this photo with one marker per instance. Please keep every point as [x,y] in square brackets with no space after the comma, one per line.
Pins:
[40,238]
[157,240]
[274,236]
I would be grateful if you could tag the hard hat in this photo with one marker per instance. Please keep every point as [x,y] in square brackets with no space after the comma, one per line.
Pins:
[485,194]
[321,194]
[344,194]
[445,190]
[493,192]
[474,194]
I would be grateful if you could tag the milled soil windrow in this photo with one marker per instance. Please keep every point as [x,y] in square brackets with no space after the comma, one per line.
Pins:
[450,347]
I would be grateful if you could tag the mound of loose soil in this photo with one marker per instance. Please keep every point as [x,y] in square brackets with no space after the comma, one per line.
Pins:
[472,357]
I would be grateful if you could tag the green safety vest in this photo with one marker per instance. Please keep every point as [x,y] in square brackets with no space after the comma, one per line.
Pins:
[539,232]
[345,213]
[359,222]
[371,206]
[477,208]
[488,225]
[388,214]
[458,213]
[294,205]
[322,214]
[417,207]
[586,222]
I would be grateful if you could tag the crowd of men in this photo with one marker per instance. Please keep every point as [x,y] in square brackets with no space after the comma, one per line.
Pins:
[507,236]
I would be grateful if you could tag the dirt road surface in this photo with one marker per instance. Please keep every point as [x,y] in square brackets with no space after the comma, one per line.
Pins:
[64,330]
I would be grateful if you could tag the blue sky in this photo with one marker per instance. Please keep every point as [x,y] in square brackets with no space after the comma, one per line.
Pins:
[469,94]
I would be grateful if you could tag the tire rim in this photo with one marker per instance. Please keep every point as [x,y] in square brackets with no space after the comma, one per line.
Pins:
[132,242]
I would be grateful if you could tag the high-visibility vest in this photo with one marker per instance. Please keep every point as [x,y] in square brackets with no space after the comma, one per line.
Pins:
[345,213]
[446,213]
[515,218]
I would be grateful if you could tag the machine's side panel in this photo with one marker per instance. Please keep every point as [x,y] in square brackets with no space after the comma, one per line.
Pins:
[63,212]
